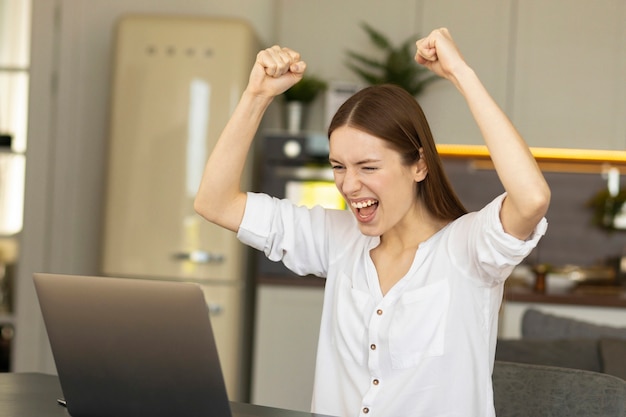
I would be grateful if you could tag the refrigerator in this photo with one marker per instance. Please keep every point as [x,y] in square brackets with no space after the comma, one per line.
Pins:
[176,80]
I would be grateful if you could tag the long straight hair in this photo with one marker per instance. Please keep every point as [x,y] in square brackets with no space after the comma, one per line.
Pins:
[392,114]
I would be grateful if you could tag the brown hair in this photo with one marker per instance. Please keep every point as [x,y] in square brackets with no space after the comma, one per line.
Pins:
[392,114]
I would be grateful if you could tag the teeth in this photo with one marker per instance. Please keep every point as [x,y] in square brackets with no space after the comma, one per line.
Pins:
[362,204]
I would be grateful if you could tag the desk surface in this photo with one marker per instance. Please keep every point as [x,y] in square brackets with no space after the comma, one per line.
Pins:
[35,395]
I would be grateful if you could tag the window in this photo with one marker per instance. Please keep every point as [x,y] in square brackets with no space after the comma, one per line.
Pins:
[14,77]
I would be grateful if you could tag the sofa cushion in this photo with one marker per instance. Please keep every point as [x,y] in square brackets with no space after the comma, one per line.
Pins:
[543,326]
[567,353]
[522,390]
[613,354]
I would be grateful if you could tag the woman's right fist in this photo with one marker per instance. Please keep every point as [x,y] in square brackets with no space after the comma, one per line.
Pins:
[276,70]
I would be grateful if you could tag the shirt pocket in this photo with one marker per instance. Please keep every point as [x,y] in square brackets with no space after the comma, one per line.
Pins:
[350,334]
[418,325]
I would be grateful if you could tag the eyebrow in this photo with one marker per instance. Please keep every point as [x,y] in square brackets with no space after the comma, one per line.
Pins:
[362,162]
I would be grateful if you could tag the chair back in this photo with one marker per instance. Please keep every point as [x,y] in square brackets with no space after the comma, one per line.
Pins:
[522,390]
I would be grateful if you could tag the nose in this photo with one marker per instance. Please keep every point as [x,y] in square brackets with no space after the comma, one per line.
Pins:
[350,182]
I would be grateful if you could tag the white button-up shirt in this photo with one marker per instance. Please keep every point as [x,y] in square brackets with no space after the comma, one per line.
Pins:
[424,349]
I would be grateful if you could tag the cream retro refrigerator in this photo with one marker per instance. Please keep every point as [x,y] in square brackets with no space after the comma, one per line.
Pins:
[175,83]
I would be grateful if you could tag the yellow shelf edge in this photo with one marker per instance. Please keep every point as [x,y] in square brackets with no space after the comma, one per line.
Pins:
[552,154]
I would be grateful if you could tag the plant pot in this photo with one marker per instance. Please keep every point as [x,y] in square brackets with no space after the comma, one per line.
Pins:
[295,116]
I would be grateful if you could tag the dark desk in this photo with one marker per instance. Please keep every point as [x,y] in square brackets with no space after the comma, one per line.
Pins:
[35,395]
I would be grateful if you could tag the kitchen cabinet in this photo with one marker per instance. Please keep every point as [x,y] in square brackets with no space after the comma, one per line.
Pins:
[557,68]
[569,80]
[481,30]
[285,343]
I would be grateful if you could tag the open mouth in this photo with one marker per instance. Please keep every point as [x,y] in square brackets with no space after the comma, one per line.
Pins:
[365,209]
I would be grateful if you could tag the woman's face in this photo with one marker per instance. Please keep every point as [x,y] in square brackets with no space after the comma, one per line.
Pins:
[377,186]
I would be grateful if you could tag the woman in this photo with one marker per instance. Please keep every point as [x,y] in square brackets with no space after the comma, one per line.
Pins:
[413,283]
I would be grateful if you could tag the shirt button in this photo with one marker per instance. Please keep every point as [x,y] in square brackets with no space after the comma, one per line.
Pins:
[366,410]
[379,312]
[373,346]
[375,382]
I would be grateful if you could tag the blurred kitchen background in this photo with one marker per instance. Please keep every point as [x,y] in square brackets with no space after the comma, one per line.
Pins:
[557,67]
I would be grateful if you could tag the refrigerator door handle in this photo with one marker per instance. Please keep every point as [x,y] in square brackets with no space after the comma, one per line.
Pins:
[199,257]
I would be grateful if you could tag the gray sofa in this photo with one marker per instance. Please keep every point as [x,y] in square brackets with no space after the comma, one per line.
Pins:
[561,367]
[524,390]
[563,342]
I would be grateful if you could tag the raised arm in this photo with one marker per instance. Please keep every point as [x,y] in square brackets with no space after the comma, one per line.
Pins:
[528,194]
[220,199]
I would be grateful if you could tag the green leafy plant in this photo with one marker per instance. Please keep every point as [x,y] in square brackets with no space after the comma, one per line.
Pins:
[606,207]
[398,66]
[305,90]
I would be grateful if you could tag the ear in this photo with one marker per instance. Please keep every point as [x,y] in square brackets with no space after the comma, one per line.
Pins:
[420,168]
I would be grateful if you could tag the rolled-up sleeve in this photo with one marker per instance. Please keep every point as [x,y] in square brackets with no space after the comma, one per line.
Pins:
[494,252]
[256,223]
[285,232]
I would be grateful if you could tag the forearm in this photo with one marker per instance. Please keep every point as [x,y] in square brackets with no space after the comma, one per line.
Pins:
[220,198]
[527,190]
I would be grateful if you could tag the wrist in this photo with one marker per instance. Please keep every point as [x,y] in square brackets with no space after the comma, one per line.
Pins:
[256,99]
[463,77]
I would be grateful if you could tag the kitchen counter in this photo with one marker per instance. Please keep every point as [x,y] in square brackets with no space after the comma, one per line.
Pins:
[599,304]
[583,295]
[515,291]
[298,301]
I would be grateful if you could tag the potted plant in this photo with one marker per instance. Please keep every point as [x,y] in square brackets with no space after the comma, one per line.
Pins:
[607,208]
[298,98]
[397,67]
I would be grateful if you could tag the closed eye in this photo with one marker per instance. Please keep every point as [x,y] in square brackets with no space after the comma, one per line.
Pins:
[335,165]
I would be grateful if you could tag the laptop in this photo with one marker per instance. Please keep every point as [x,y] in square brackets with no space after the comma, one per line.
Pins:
[132,347]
